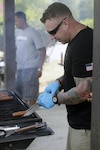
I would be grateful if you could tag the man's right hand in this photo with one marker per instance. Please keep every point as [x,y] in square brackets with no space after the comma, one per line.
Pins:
[45,100]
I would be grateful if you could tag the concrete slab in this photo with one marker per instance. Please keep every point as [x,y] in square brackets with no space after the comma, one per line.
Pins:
[56,119]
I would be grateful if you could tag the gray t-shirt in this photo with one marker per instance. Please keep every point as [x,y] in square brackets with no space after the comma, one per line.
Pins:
[28,44]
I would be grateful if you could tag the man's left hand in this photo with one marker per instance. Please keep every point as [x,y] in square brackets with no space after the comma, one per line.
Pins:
[39,73]
[52,88]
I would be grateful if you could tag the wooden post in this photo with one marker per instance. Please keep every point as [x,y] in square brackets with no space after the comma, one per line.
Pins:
[9,44]
[95,137]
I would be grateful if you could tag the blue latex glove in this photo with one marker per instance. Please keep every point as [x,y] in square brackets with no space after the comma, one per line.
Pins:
[45,100]
[52,88]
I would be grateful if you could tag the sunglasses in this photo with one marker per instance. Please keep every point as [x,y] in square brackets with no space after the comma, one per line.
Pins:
[53,32]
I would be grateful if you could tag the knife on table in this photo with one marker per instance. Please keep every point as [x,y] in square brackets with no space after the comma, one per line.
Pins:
[27,112]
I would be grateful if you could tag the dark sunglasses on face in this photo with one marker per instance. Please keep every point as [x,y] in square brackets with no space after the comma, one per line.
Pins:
[53,32]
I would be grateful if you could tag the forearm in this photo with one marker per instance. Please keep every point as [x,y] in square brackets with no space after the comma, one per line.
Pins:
[84,87]
[78,94]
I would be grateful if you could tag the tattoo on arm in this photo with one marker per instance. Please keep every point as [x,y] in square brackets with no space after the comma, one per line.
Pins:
[78,94]
[84,85]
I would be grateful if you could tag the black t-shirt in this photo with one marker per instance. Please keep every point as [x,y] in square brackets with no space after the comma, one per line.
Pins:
[78,55]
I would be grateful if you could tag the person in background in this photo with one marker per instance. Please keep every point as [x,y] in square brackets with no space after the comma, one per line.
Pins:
[74,88]
[30,56]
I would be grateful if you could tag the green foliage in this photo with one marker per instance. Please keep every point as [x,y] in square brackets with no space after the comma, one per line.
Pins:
[86,9]
[88,22]
[73,5]
[1,17]
[33,9]
[1,25]
[81,9]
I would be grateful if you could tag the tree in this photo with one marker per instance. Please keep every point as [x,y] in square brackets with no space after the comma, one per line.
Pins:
[33,9]
[81,9]
[73,5]
[86,9]
[1,26]
[88,22]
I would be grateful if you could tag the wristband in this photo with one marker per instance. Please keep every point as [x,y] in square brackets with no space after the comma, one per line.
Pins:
[59,81]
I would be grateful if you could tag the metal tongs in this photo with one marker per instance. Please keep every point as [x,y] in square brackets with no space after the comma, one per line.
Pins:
[4,132]
[5,129]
